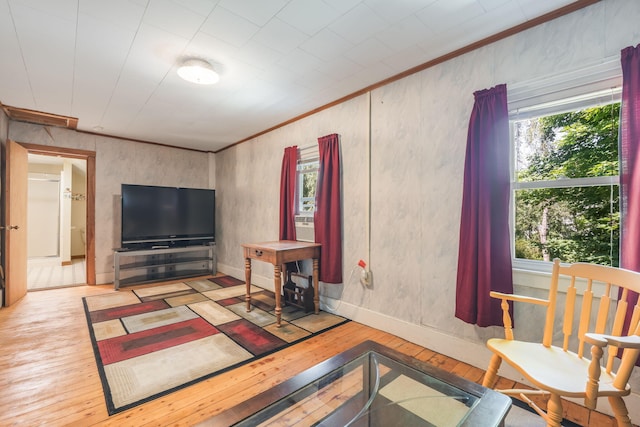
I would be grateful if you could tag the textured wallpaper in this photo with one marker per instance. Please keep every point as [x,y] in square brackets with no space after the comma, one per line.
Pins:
[403,148]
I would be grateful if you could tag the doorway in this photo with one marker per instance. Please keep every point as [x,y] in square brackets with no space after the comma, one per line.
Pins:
[89,158]
[56,221]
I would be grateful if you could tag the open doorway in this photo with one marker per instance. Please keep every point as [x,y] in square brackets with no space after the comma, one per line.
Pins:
[56,221]
[15,195]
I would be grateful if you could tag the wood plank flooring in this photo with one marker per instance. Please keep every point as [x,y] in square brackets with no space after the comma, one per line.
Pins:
[48,374]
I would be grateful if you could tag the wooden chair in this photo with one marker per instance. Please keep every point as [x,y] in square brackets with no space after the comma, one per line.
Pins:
[558,371]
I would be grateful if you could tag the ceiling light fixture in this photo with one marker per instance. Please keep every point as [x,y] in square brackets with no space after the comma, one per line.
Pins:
[198,71]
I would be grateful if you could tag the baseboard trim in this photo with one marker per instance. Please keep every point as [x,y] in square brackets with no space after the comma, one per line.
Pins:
[466,351]
[472,353]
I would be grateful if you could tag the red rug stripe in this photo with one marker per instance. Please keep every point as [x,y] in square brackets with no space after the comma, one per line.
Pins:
[127,310]
[229,301]
[252,337]
[227,281]
[132,345]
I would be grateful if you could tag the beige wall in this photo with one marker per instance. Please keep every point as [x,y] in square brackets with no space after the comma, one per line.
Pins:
[403,148]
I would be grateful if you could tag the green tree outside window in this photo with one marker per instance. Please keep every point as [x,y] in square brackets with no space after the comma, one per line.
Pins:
[577,221]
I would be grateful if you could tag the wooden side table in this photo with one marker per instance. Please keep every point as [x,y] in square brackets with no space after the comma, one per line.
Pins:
[279,253]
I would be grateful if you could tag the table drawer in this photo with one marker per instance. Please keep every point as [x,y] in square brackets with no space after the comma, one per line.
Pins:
[262,254]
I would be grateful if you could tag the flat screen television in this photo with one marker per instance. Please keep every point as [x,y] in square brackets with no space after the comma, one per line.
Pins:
[154,216]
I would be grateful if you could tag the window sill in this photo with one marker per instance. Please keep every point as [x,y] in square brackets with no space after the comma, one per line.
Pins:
[537,275]
[531,278]
[531,265]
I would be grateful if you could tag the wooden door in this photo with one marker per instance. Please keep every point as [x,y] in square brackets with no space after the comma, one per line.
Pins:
[15,232]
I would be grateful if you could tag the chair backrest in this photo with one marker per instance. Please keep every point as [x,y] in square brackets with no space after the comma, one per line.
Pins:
[598,297]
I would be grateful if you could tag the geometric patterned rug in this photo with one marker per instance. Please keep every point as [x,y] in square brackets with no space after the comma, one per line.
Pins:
[152,341]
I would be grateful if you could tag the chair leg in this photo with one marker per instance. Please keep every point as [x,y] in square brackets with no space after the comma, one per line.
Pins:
[492,371]
[554,411]
[620,411]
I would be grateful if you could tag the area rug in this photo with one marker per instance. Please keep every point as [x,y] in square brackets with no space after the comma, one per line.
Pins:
[155,340]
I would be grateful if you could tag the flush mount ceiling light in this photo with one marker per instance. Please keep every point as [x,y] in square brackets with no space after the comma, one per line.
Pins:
[198,71]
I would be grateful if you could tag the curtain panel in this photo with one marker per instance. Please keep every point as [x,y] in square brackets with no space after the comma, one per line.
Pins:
[288,177]
[328,213]
[629,145]
[484,254]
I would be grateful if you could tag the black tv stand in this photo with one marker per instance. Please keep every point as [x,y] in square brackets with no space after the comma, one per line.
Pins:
[162,263]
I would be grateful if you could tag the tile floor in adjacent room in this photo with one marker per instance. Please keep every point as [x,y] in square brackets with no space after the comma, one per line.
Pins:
[47,273]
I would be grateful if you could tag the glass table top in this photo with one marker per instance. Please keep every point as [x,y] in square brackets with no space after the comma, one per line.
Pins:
[372,385]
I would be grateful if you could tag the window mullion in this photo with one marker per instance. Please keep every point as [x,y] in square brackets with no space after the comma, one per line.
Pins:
[568,182]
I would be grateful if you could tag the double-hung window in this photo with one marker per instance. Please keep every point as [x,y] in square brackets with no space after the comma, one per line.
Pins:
[565,194]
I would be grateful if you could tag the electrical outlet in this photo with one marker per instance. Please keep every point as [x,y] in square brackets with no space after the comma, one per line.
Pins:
[365,277]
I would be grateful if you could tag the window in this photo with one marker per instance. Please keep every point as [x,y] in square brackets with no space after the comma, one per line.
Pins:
[565,182]
[308,165]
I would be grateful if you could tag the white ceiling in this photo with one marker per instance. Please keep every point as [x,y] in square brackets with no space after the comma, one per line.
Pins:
[112,63]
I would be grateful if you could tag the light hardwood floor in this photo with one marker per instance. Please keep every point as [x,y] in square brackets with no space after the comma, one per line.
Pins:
[48,373]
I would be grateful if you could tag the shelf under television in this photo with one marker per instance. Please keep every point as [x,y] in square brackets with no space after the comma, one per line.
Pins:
[159,264]
[162,263]
[167,275]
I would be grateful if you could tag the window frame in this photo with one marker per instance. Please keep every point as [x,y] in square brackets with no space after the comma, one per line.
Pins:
[306,156]
[589,95]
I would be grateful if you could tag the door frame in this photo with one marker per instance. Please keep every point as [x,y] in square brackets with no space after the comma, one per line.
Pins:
[90,158]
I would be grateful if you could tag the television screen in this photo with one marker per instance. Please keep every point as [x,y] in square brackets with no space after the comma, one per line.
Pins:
[167,216]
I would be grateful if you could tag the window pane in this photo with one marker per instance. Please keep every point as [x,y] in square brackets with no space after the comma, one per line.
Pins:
[573,224]
[308,177]
[577,144]
[309,184]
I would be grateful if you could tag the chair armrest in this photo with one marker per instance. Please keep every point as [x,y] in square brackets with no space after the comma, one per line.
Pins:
[506,316]
[518,298]
[600,340]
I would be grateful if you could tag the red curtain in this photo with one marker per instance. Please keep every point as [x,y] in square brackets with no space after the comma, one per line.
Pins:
[328,213]
[288,194]
[629,144]
[484,254]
